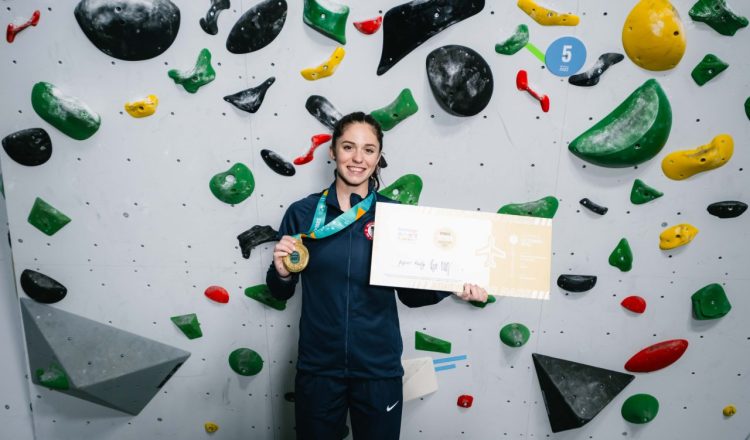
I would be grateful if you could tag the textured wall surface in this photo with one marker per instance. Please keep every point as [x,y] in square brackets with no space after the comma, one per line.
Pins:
[147,236]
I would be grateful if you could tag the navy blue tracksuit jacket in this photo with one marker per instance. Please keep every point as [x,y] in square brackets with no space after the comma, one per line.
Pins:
[348,328]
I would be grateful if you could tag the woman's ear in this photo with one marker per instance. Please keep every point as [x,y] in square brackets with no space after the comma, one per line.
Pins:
[330,153]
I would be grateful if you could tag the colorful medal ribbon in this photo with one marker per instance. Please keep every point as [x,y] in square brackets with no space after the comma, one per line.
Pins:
[297,260]
[318,230]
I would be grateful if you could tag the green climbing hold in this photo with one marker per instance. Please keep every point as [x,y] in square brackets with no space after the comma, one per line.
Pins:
[707,69]
[423,341]
[710,302]
[329,20]
[53,377]
[514,335]
[46,218]
[642,193]
[405,189]
[545,207]
[65,113]
[261,294]
[632,133]
[516,42]
[640,408]
[490,299]
[245,362]
[747,107]
[395,112]
[234,185]
[622,256]
[717,14]
[201,74]
[189,325]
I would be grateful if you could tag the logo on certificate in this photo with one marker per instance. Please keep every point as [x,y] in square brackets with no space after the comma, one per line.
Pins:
[445,238]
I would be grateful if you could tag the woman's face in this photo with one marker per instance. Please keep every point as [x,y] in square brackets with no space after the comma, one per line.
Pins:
[357,152]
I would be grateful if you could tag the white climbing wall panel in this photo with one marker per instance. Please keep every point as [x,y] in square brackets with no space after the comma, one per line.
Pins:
[147,236]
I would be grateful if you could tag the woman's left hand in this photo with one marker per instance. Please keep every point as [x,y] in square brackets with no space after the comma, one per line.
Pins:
[472,292]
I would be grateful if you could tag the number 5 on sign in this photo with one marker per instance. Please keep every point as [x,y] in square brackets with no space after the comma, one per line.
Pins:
[565,56]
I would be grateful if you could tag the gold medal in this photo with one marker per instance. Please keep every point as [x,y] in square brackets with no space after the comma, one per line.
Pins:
[297,260]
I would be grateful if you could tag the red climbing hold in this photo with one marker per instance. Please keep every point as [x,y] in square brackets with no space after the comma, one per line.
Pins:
[369,27]
[317,140]
[10,34]
[522,82]
[657,356]
[218,294]
[634,303]
[465,401]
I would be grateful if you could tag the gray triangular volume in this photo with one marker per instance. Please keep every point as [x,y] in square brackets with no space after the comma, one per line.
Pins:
[575,393]
[105,365]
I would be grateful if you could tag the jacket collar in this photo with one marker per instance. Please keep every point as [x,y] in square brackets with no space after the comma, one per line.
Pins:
[354,198]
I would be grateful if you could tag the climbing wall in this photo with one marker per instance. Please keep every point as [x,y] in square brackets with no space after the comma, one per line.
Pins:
[147,235]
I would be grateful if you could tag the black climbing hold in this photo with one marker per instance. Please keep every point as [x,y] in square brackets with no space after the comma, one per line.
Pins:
[250,100]
[727,209]
[601,210]
[208,23]
[277,163]
[42,288]
[289,397]
[382,163]
[407,26]
[129,30]
[591,77]
[575,393]
[323,110]
[254,236]
[460,79]
[257,27]
[29,147]
[576,283]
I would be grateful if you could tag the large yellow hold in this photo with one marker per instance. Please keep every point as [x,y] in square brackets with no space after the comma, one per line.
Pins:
[653,35]
[677,235]
[144,107]
[685,163]
[547,17]
[325,69]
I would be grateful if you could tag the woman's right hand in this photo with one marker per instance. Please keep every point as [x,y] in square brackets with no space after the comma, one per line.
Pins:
[284,247]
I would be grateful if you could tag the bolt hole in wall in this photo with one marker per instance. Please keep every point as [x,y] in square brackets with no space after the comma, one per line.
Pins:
[195,124]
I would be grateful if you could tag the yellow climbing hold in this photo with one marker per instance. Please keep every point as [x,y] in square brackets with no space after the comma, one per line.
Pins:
[547,17]
[685,163]
[211,427]
[677,236]
[325,69]
[653,35]
[729,410]
[144,107]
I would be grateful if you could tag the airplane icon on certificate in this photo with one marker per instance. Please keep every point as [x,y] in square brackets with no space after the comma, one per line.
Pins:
[492,252]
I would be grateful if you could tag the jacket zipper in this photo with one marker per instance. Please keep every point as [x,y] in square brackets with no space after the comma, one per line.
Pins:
[348,285]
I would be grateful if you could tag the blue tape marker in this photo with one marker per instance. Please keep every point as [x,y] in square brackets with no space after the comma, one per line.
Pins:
[445,367]
[449,359]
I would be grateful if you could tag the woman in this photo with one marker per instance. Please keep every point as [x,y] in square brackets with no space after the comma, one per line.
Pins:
[350,346]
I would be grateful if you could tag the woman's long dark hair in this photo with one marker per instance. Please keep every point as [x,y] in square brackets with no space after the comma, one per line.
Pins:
[360,117]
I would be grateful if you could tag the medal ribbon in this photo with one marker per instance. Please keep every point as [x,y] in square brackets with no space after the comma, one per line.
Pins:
[319,230]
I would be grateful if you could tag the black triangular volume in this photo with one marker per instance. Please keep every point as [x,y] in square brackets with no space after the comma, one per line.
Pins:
[575,393]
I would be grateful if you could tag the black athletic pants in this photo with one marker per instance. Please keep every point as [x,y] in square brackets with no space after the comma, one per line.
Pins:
[321,403]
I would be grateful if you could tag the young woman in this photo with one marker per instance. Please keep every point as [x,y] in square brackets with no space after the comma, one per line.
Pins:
[349,356]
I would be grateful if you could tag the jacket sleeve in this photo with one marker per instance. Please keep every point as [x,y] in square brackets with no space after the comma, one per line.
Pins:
[283,289]
[420,297]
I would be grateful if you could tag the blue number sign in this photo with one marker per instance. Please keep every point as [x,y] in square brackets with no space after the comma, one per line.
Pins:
[565,56]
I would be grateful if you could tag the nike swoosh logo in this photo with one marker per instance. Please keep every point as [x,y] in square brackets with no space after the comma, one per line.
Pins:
[390,407]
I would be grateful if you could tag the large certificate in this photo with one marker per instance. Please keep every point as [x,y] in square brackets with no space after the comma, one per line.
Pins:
[441,249]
